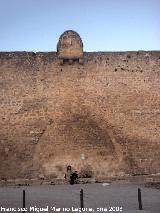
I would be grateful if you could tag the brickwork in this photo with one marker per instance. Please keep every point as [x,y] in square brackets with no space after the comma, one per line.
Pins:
[106,110]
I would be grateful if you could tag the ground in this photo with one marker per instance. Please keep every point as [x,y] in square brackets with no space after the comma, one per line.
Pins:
[97,195]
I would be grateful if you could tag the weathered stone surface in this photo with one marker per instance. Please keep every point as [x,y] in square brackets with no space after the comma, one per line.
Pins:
[70,47]
[107,110]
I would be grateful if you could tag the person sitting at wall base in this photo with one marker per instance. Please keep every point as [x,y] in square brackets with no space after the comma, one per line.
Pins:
[70,176]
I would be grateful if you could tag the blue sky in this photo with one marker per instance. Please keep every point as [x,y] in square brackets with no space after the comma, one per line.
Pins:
[104,25]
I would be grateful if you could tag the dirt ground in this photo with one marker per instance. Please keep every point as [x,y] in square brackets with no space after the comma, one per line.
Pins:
[99,197]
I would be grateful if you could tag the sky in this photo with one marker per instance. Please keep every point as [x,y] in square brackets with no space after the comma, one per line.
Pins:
[104,25]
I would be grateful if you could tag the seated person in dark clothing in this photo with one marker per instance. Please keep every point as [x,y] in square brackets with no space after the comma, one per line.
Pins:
[73,178]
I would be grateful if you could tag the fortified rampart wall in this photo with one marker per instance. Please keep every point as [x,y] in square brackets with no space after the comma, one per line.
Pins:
[101,117]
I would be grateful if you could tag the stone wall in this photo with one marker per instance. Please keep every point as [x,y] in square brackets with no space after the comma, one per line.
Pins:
[101,117]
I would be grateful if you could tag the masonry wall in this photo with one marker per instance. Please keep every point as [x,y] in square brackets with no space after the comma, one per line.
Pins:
[102,118]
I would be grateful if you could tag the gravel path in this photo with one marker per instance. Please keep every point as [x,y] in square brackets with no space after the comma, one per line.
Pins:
[95,196]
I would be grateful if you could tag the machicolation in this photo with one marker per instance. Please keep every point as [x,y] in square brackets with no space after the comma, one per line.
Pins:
[70,48]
